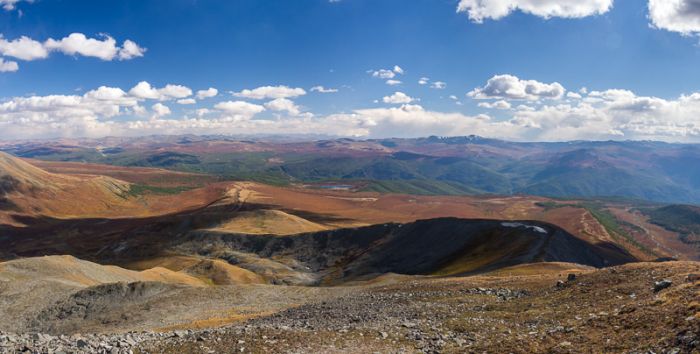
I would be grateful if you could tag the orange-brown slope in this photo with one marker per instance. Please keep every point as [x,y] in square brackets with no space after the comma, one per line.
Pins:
[31,191]
[139,175]
[349,209]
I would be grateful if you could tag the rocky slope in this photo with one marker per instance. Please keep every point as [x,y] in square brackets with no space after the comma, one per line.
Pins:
[615,310]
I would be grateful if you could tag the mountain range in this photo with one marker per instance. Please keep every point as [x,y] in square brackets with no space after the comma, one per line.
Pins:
[470,165]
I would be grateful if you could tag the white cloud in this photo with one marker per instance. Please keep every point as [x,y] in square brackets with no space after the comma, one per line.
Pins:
[614,114]
[682,16]
[393,82]
[480,10]
[202,112]
[495,105]
[387,73]
[105,49]
[383,74]
[239,109]
[175,91]
[8,66]
[137,110]
[160,110]
[187,101]
[78,43]
[144,90]
[398,98]
[423,81]
[414,121]
[208,93]
[111,95]
[512,88]
[283,105]
[524,107]
[438,85]
[130,50]
[271,92]
[64,115]
[25,48]
[599,115]
[321,89]
[573,95]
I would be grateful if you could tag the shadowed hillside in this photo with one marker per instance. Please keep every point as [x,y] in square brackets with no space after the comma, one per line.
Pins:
[445,246]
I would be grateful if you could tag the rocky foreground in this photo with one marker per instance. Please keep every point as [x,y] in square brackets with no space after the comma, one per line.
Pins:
[636,308]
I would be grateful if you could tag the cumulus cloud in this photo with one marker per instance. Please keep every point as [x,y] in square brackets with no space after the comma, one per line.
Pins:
[271,92]
[160,110]
[78,43]
[387,74]
[186,101]
[414,121]
[321,89]
[239,109]
[27,49]
[283,105]
[105,49]
[615,114]
[201,112]
[573,95]
[598,115]
[393,82]
[480,10]
[682,16]
[398,98]
[208,93]
[144,90]
[175,91]
[423,81]
[510,87]
[23,48]
[64,115]
[8,66]
[495,105]
[130,50]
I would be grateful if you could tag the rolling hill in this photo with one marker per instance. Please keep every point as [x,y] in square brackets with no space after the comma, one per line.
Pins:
[652,171]
[27,189]
[84,192]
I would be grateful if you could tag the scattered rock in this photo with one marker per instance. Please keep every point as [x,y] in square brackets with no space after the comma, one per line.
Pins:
[661,285]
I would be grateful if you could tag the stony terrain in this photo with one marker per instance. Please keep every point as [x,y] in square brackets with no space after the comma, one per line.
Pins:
[625,309]
[611,310]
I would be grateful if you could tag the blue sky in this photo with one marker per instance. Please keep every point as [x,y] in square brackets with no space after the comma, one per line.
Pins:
[638,65]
